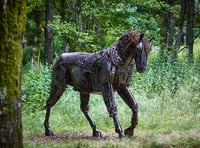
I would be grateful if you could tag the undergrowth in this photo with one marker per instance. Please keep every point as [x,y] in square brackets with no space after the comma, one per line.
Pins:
[35,88]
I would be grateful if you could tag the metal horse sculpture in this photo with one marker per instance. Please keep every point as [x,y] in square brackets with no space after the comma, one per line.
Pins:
[104,72]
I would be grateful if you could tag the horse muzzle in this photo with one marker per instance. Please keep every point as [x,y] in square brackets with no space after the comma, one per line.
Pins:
[141,69]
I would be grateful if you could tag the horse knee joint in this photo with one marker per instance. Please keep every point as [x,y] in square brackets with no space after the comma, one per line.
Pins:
[112,111]
[84,108]
[135,108]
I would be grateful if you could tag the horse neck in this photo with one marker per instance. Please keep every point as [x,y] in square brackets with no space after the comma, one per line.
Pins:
[124,54]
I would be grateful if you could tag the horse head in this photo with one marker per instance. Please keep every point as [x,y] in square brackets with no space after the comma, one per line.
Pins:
[136,46]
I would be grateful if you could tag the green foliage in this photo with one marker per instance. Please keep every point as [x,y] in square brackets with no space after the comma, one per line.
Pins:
[152,5]
[91,26]
[68,30]
[36,85]
[33,4]
[94,28]
[143,22]
[161,76]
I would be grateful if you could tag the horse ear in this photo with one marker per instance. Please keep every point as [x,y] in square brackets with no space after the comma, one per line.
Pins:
[141,36]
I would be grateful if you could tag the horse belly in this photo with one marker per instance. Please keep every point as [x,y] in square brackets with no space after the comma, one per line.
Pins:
[75,75]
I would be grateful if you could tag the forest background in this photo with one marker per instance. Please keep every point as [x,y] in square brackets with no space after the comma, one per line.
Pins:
[168,93]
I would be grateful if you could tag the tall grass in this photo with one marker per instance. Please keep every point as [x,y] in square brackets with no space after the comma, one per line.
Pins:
[168,96]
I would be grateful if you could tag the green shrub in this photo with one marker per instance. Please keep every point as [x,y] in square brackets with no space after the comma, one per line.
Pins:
[36,85]
[161,77]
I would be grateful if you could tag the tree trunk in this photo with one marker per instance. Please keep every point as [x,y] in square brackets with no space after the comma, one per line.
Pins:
[12,19]
[35,57]
[63,9]
[181,23]
[48,47]
[38,36]
[80,23]
[189,28]
[168,33]
[169,22]
[99,27]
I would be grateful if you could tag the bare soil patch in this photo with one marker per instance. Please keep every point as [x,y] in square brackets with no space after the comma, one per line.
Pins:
[68,137]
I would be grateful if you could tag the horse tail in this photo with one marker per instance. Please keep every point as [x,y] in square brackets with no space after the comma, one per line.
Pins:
[58,84]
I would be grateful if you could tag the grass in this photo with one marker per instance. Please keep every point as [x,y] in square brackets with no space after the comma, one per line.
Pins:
[167,118]
[162,123]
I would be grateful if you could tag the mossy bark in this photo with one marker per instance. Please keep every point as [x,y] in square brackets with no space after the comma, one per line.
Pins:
[12,19]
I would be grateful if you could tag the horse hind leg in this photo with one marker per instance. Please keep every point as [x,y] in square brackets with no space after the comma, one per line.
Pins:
[55,94]
[85,108]
[58,85]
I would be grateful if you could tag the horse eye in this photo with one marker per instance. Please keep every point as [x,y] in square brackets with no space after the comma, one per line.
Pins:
[139,46]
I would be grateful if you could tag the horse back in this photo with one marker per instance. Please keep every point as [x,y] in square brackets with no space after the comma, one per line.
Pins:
[78,58]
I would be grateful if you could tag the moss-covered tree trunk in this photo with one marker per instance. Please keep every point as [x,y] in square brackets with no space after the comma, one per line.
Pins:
[12,18]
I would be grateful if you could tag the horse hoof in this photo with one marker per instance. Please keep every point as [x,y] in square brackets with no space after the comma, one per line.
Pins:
[128,132]
[49,133]
[97,134]
[121,135]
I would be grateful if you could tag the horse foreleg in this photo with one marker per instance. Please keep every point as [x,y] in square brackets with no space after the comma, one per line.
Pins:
[108,95]
[55,95]
[85,108]
[129,99]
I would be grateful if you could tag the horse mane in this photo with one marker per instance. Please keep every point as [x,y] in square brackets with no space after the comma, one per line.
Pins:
[116,51]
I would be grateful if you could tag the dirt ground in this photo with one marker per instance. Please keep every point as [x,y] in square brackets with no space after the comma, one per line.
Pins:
[67,137]
[171,139]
